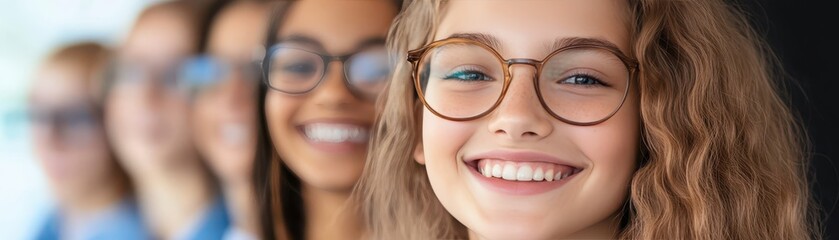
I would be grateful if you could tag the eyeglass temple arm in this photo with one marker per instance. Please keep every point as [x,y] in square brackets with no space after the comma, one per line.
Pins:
[414,55]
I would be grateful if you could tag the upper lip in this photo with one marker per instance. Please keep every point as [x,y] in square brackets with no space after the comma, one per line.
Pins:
[519,156]
[335,121]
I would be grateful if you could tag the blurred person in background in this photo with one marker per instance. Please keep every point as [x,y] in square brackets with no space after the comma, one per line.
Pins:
[323,72]
[147,117]
[91,189]
[224,103]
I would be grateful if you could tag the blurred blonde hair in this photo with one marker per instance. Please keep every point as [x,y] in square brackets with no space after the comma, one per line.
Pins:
[723,156]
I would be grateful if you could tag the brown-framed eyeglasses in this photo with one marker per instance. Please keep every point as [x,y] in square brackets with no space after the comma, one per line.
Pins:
[461,79]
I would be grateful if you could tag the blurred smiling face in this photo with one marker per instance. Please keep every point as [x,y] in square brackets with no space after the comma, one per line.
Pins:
[225,128]
[146,112]
[322,135]
[519,172]
[69,141]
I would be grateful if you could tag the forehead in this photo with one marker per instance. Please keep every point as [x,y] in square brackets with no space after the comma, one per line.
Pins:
[159,37]
[528,27]
[338,25]
[239,29]
[58,84]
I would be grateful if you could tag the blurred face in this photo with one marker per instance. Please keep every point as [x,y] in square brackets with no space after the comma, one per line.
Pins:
[224,109]
[519,172]
[322,135]
[146,111]
[69,139]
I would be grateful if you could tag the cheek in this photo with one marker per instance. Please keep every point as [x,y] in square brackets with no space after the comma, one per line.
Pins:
[612,150]
[115,110]
[279,112]
[44,143]
[442,141]
[205,121]
[97,162]
[82,163]
[612,155]
[175,110]
[612,146]
[119,111]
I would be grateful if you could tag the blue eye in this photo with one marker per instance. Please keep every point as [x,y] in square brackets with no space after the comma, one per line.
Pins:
[582,79]
[468,75]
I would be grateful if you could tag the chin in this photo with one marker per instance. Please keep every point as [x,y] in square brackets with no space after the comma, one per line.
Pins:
[331,181]
[506,230]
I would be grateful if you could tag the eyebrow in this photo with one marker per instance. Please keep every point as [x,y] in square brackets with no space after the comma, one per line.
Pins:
[487,39]
[559,43]
[302,39]
[576,41]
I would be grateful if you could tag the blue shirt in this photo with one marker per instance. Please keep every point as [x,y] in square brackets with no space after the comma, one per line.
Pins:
[122,221]
[211,225]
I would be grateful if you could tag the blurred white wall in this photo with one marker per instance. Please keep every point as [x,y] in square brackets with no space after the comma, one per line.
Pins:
[30,29]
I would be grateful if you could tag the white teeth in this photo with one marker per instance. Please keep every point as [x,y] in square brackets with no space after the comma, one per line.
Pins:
[549,175]
[509,172]
[496,171]
[335,133]
[525,173]
[538,175]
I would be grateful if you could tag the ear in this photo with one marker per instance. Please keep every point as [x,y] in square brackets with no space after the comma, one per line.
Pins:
[419,154]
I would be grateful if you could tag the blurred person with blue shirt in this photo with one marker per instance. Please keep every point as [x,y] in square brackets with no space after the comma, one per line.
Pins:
[223,83]
[147,114]
[92,192]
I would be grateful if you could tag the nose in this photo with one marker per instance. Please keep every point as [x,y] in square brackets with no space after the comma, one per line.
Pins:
[47,132]
[520,116]
[151,91]
[237,91]
[333,93]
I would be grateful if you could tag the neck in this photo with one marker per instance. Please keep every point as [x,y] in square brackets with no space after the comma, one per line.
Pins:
[99,198]
[606,229]
[173,197]
[241,202]
[330,215]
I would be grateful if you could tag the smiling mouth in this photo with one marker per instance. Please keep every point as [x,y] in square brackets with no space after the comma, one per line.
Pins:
[335,133]
[524,171]
[234,134]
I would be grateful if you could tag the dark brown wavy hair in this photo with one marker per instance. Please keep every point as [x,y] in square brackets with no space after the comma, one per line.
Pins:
[278,189]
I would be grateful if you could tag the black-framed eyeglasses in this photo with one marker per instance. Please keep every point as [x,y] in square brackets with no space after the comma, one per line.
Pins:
[295,70]
[461,79]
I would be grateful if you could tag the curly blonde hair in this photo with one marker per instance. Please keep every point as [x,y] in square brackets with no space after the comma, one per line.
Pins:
[723,156]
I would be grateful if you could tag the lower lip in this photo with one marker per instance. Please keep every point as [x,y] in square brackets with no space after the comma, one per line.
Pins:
[329,147]
[520,188]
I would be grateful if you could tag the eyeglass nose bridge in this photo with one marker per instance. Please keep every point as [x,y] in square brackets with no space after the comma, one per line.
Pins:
[532,62]
[526,61]
[536,64]
[345,75]
[329,59]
